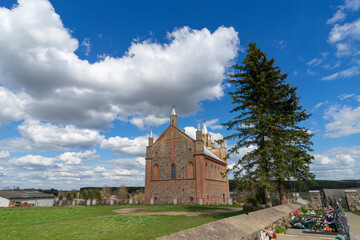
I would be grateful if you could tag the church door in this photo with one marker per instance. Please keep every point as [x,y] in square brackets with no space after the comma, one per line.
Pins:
[173,173]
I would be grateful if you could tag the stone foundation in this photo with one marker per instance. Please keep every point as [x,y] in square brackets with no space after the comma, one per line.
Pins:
[315,199]
[353,201]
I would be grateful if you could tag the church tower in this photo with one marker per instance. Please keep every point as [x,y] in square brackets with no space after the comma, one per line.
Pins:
[173,118]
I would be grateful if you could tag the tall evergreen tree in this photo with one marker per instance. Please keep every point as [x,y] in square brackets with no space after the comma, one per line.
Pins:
[268,120]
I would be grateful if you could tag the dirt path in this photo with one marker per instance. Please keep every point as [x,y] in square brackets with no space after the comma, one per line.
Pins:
[131,211]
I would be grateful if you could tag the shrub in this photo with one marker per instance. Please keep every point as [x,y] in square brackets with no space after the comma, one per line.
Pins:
[251,200]
[280,230]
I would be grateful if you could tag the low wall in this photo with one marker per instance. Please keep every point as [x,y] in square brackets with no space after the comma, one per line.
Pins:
[241,226]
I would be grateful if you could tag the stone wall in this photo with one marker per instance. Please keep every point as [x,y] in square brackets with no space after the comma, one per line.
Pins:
[164,192]
[240,227]
[353,201]
[315,199]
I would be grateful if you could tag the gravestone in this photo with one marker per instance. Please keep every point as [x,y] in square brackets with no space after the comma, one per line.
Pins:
[201,201]
[152,201]
[131,201]
[60,202]
[111,202]
[315,199]
[88,202]
[353,201]
[175,201]
[94,202]
[230,202]
[74,202]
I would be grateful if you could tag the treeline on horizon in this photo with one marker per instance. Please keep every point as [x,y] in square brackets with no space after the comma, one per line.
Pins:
[294,186]
[291,186]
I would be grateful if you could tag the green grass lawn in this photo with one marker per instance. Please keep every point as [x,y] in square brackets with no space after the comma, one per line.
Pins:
[99,222]
[356,212]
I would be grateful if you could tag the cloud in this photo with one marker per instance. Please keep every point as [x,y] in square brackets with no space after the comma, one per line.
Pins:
[150,120]
[343,49]
[280,44]
[352,4]
[353,151]
[337,163]
[212,124]
[338,16]
[38,136]
[315,62]
[11,105]
[33,162]
[4,154]
[346,96]
[39,66]
[129,164]
[347,73]
[345,121]
[126,146]
[345,37]
[77,158]
[86,46]
[318,105]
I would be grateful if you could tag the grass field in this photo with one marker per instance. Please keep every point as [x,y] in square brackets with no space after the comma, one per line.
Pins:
[99,222]
[356,212]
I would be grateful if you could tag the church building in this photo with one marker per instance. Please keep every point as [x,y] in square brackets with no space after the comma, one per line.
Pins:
[183,170]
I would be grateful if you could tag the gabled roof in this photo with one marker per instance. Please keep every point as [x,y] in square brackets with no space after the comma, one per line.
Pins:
[209,153]
[11,194]
[167,130]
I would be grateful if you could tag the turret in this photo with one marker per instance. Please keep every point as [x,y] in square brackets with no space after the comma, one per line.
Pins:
[150,140]
[173,118]
[198,133]
[199,143]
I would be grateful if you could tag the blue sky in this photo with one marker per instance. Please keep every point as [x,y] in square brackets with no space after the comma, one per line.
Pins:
[82,82]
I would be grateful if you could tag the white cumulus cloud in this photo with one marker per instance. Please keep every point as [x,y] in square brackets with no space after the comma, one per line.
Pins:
[126,146]
[39,66]
[39,136]
[344,121]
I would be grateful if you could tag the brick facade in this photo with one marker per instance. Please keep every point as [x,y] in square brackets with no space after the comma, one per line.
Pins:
[182,170]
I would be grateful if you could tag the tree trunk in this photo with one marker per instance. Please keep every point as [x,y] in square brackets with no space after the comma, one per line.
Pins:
[268,202]
[281,191]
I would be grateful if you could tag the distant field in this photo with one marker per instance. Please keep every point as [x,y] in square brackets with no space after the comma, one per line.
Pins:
[99,222]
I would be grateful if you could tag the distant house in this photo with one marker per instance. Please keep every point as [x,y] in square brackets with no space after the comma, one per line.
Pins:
[18,198]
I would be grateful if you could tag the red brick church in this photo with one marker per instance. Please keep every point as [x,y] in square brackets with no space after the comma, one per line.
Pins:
[183,170]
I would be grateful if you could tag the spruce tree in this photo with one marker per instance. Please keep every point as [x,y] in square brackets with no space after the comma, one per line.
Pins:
[268,120]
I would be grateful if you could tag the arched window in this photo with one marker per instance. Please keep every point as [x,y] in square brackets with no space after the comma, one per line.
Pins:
[190,170]
[173,172]
[156,172]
